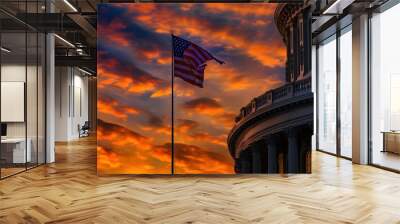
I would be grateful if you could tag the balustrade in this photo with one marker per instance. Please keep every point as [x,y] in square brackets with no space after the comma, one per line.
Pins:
[297,88]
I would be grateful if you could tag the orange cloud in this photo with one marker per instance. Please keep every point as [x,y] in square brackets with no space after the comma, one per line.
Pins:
[111,132]
[144,8]
[270,53]
[185,131]
[210,108]
[201,142]
[113,108]
[240,10]
[121,150]
[233,80]
[160,92]
[120,40]
[186,6]
[226,120]
[204,105]
[166,130]
[155,55]
[106,159]
[114,33]
[185,126]
[142,86]
[183,91]
[164,60]
[125,82]
[179,90]
[191,159]
[207,138]
[119,153]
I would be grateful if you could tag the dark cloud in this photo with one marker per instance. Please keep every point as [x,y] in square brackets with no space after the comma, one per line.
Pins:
[215,30]
[155,120]
[203,102]
[124,75]
[105,127]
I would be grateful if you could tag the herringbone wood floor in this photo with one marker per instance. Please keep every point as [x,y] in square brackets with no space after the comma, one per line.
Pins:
[70,192]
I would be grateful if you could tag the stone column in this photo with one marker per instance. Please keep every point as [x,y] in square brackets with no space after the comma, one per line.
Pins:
[245,161]
[293,151]
[256,158]
[305,139]
[272,155]
[238,165]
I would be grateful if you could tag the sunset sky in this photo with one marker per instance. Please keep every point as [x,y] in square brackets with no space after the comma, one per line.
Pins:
[134,75]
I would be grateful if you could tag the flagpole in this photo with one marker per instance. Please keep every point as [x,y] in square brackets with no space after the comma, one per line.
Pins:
[172,110]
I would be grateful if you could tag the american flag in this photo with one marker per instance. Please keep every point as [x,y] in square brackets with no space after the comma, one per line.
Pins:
[190,61]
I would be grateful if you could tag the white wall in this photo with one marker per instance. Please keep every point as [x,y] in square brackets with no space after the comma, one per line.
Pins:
[10,73]
[16,72]
[71,102]
[80,110]
[62,81]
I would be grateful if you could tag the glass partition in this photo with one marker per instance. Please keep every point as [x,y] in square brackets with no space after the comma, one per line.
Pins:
[327,95]
[22,88]
[13,94]
[385,89]
[346,92]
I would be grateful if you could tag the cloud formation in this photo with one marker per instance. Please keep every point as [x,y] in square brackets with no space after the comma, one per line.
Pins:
[113,108]
[121,150]
[239,10]
[267,51]
[124,151]
[204,105]
[129,79]
[134,82]
[195,160]
[210,108]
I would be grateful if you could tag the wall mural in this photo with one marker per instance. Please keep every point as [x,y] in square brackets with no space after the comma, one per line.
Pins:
[229,64]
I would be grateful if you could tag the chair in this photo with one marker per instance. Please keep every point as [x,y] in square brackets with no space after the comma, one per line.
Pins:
[84,130]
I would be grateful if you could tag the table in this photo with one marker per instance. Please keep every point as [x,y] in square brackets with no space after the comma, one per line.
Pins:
[13,150]
[391,141]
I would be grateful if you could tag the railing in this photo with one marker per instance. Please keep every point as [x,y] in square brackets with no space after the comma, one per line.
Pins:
[287,91]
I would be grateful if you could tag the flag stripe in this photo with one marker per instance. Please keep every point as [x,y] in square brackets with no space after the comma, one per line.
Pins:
[190,61]
[189,79]
[204,53]
[182,65]
[195,53]
[189,71]
[187,75]
[194,56]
